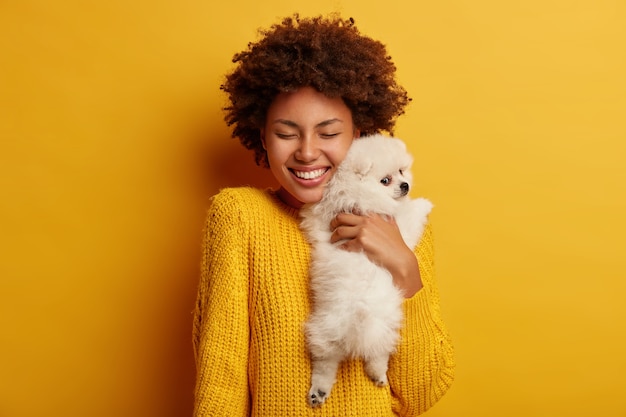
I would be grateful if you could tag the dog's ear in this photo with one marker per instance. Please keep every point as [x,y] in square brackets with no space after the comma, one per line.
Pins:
[362,168]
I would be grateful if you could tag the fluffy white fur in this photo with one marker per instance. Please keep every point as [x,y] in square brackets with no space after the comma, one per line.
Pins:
[357,311]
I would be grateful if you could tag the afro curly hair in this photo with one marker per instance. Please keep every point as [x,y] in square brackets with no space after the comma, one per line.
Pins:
[326,53]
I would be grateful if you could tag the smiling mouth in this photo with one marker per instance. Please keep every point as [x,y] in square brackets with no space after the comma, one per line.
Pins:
[309,175]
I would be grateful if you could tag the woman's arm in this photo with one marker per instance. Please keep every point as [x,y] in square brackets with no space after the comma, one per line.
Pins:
[221,331]
[422,369]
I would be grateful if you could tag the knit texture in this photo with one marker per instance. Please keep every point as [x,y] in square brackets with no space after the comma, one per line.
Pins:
[253,300]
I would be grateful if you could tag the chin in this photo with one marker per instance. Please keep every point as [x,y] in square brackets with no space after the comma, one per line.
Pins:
[312,197]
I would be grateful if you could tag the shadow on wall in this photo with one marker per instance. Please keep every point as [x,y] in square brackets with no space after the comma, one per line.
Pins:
[176,373]
[233,166]
[214,160]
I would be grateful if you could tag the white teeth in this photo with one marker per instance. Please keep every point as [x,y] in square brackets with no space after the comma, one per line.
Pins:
[309,175]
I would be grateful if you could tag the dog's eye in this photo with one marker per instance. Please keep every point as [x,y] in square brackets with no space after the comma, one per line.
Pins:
[386,181]
[401,172]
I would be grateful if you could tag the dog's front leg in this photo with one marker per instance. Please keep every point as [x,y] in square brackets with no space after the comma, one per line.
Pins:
[324,374]
[376,369]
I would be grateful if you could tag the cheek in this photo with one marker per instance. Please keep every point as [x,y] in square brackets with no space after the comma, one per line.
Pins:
[277,152]
[339,151]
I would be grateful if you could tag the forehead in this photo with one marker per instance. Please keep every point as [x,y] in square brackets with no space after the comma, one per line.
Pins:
[306,106]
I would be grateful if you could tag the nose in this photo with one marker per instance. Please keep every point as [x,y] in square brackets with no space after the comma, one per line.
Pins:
[307,150]
[404,187]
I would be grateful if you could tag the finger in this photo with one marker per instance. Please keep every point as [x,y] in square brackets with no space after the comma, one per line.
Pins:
[344,219]
[342,233]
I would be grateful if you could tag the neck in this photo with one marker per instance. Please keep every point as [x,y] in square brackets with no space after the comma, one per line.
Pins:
[288,199]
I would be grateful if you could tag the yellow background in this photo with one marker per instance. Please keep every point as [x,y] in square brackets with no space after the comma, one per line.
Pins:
[112,141]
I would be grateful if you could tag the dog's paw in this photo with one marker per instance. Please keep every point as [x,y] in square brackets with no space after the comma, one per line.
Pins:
[323,378]
[376,370]
[317,396]
[379,381]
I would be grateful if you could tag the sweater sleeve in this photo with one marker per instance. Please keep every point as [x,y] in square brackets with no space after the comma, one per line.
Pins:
[221,327]
[422,369]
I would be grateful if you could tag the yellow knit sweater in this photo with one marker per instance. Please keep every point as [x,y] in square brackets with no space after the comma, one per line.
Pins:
[252,302]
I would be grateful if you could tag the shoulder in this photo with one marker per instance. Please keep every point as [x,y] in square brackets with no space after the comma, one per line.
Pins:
[229,210]
[237,202]
[237,197]
[241,206]
[251,202]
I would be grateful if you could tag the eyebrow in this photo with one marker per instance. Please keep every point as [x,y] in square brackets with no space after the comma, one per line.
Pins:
[291,123]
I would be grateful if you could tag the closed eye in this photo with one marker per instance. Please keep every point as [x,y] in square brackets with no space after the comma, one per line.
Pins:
[286,135]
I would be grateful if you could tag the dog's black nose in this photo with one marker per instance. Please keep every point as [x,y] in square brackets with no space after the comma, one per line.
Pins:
[404,187]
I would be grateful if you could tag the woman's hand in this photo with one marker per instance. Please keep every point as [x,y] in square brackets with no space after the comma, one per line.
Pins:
[380,239]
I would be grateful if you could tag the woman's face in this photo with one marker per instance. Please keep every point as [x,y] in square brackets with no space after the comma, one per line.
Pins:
[306,136]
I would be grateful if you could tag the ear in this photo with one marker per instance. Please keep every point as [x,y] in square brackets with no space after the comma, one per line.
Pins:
[262,136]
[362,168]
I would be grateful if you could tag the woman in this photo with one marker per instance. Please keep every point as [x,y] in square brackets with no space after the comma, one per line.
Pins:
[298,98]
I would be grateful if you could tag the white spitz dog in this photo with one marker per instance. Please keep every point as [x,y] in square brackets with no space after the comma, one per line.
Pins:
[357,310]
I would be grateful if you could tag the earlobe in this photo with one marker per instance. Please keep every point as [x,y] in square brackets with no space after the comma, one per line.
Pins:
[262,136]
[357,133]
